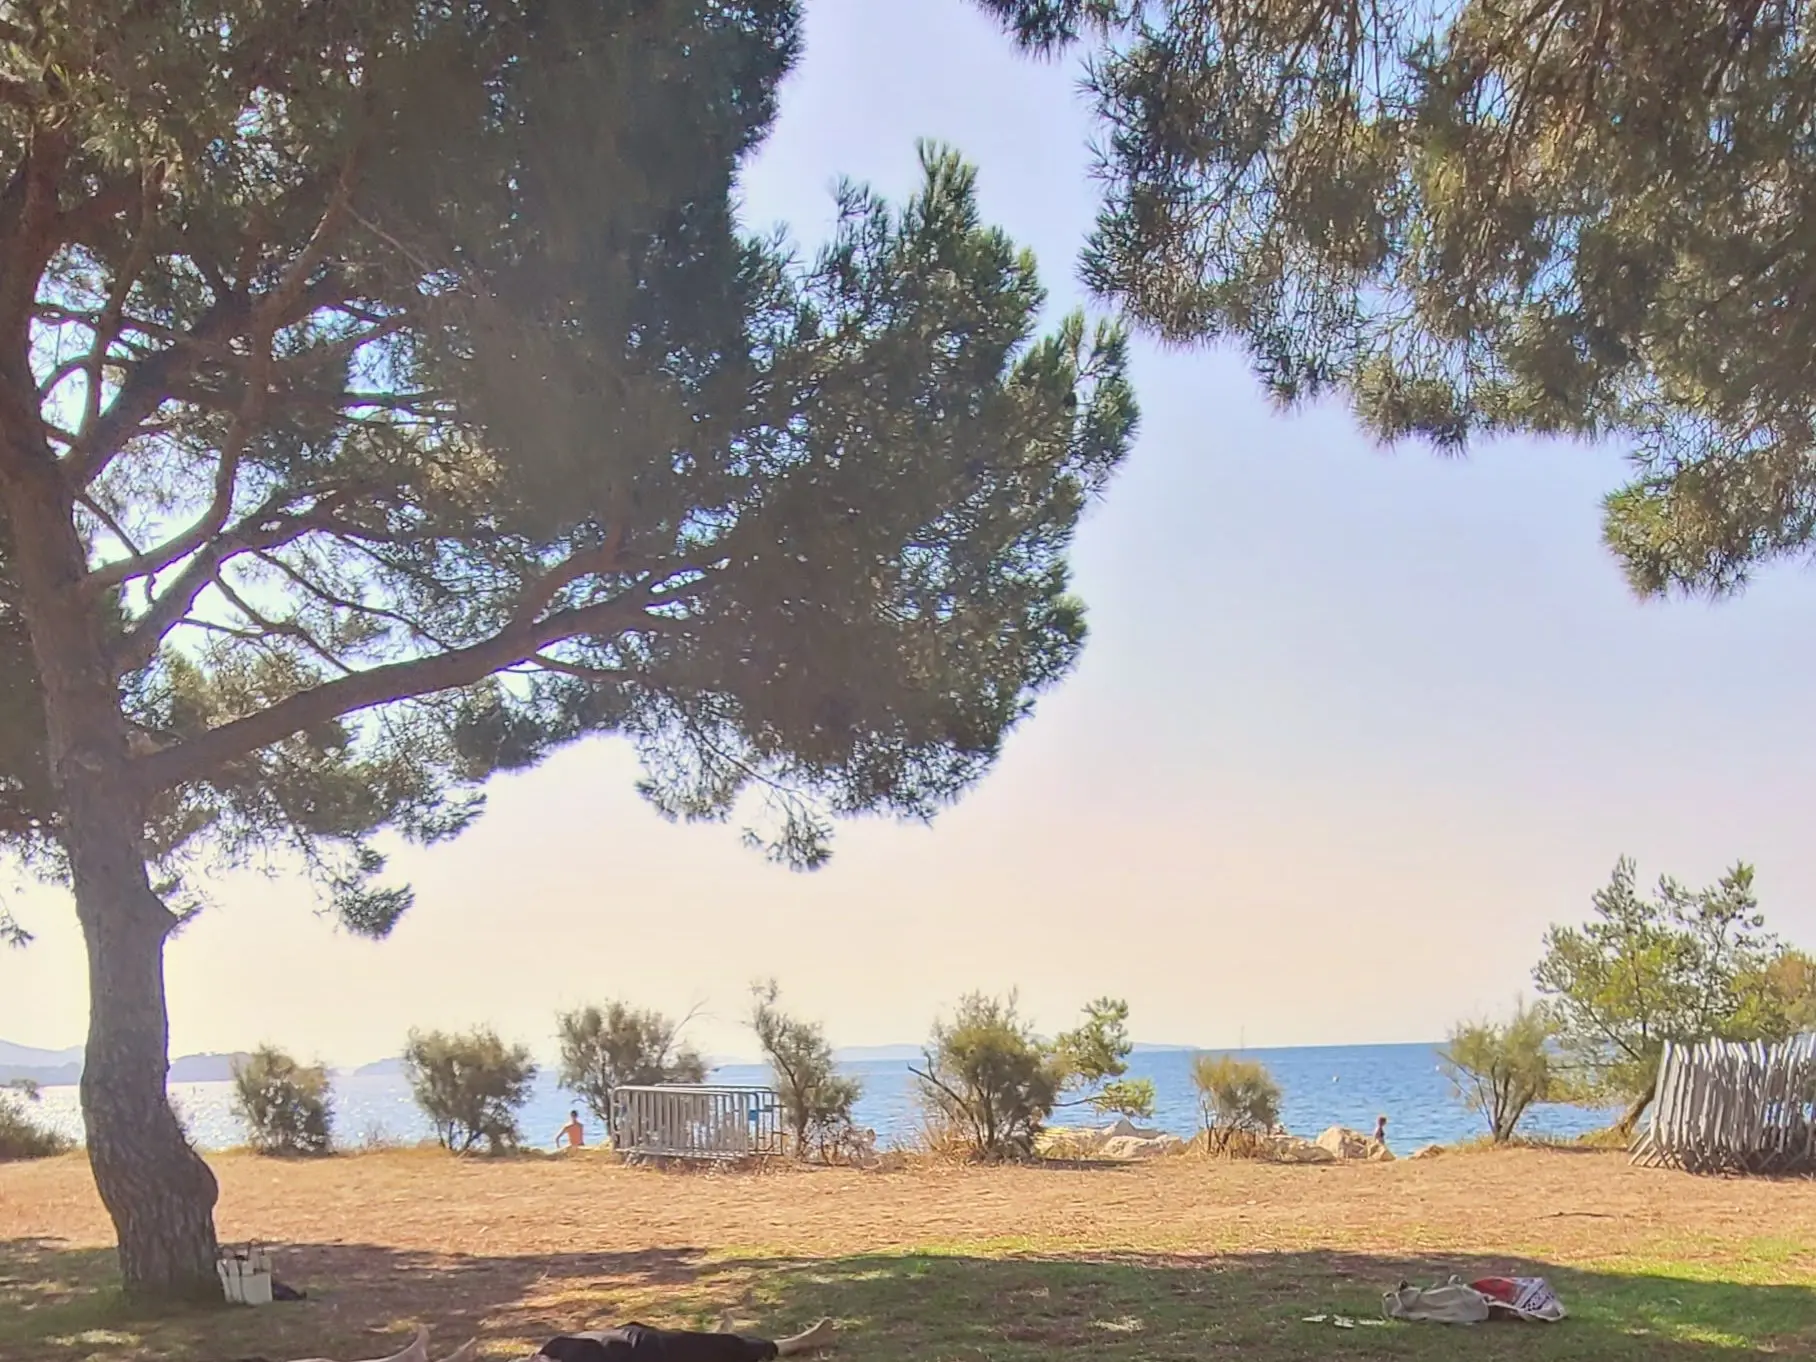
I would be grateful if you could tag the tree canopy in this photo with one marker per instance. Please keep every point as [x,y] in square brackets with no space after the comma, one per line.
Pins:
[1680,965]
[1238,1100]
[1500,1069]
[617,1045]
[989,1080]
[471,1085]
[370,388]
[816,1099]
[1584,217]
[389,395]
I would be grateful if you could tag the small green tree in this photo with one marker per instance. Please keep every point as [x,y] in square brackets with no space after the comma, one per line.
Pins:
[1779,999]
[617,1046]
[1501,1068]
[1673,966]
[988,1077]
[22,1137]
[1093,1059]
[286,1107]
[816,1098]
[471,1085]
[1236,1097]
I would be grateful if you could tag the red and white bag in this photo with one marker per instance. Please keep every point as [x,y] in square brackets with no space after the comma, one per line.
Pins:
[1529,1298]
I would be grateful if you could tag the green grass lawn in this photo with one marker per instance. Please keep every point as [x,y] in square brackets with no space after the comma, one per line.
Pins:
[945,1303]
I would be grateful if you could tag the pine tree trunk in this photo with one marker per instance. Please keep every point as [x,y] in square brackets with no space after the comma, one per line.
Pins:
[156,1188]
[1630,1119]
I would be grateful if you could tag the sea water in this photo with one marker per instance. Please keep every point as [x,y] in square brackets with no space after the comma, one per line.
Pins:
[1321,1086]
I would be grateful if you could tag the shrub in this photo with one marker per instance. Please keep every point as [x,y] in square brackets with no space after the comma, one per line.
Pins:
[286,1107]
[816,1099]
[1501,1069]
[1237,1098]
[471,1086]
[988,1078]
[21,1137]
[616,1046]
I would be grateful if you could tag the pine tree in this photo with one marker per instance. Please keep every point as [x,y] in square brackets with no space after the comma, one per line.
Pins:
[388,396]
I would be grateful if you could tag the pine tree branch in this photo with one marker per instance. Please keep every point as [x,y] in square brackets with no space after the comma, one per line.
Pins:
[154,380]
[108,324]
[106,517]
[336,601]
[260,531]
[212,521]
[147,387]
[599,559]
[29,221]
[199,756]
[269,628]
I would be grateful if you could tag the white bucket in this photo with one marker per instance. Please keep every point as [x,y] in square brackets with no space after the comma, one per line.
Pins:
[245,1275]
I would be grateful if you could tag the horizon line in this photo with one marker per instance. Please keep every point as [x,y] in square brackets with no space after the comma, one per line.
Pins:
[849,1053]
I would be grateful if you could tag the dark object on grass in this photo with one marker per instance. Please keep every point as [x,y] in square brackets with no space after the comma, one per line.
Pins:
[640,1343]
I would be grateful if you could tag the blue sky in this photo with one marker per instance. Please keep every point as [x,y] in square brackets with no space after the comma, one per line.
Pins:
[1353,726]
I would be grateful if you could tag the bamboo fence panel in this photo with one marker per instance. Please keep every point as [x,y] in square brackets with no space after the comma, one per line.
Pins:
[1723,1107]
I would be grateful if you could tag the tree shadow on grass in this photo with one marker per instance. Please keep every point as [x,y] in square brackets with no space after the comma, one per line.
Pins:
[59,1305]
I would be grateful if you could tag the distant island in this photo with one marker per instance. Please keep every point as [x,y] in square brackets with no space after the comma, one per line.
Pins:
[380,1068]
[62,1068]
[876,1054]
[59,1068]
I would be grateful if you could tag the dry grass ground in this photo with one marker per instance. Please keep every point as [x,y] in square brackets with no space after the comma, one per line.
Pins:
[1179,1259]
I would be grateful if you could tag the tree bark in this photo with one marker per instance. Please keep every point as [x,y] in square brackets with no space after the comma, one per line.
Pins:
[1630,1119]
[156,1188]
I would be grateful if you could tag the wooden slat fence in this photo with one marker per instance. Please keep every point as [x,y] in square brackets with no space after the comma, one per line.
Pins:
[1730,1108]
[675,1121]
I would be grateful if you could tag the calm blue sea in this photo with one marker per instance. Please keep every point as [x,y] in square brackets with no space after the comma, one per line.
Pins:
[1323,1086]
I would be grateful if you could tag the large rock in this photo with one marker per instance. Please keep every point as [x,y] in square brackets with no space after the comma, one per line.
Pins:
[1067,1142]
[1430,1151]
[1292,1149]
[1121,1140]
[1140,1147]
[1344,1143]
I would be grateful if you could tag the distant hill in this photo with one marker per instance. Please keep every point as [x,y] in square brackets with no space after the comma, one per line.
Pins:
[45,1076]
[204,1068]
[46,1068]
[380,1068]
[877,1054]
[58,1068]
[13,1056]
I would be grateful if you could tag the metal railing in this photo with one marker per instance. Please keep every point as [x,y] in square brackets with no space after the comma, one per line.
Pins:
[696,1121]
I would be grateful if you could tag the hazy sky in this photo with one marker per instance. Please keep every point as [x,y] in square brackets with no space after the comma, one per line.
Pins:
[1352,728]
